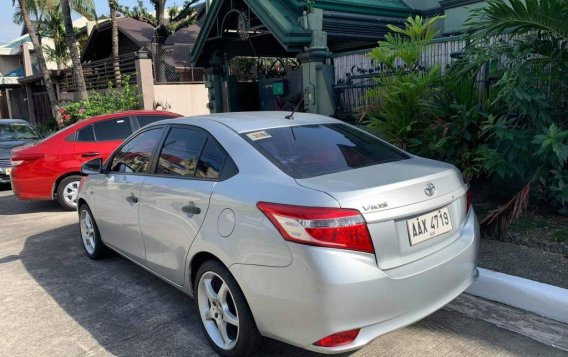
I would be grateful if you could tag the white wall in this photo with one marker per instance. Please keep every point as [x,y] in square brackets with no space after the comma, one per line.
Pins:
[184,99]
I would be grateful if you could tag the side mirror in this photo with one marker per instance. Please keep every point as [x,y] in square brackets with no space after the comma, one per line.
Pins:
[92,167]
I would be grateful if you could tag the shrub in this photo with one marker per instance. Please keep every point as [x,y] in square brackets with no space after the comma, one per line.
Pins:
[112,100]
[513,127]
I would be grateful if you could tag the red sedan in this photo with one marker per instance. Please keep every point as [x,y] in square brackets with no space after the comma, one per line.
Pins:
[51,168]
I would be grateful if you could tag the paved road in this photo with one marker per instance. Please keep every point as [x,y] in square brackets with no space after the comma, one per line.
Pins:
[54,301]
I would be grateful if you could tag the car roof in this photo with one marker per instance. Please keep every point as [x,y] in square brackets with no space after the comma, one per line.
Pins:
[243,122]
[14,121]
[130,112]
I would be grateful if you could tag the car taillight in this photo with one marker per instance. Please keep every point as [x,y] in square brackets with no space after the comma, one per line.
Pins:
[338,339]
[20,159]
[320,226]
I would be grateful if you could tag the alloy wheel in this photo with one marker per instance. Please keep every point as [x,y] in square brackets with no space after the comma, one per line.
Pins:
[87,231]
[218,310]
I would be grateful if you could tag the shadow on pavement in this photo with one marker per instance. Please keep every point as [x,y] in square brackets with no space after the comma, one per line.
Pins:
[10,205]
[126,309]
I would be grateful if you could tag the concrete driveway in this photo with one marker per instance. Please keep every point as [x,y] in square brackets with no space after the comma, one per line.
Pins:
[54,301]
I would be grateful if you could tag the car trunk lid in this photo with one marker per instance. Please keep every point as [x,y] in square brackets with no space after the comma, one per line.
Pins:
[390,194]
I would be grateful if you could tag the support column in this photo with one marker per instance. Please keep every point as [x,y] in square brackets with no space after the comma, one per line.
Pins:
[317,77]
[145,80]
[28,71]
[215,83]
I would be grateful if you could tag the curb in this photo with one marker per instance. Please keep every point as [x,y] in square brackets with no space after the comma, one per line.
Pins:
[542,299]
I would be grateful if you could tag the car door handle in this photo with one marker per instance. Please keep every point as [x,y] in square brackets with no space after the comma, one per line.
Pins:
[191,208]
[132,198]
[90,154]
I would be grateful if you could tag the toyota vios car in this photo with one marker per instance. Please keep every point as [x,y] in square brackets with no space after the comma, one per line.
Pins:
[300,228]
[13,133]
[50,169]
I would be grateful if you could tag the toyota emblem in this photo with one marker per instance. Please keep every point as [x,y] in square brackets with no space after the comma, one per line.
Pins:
[430,189]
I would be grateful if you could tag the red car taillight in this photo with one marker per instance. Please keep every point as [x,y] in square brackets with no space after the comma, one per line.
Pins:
[338,339]
[319,226]
[20,159]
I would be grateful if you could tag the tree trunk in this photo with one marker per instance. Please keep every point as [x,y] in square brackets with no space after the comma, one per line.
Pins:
[81,88]
[40,58]
[113,5]
[160,12]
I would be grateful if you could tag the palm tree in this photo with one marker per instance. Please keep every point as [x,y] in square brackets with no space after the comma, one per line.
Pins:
[78,78]
[41,11]
[113,6]
[39,53]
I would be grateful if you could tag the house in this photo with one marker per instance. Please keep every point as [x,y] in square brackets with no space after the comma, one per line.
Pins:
[17,61]
[316,37]
[170,82]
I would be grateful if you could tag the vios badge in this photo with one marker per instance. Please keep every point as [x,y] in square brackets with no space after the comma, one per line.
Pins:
[430,189]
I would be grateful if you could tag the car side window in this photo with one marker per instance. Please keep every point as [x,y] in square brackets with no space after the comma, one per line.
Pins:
[113,129]
[136,155]
[144,120]
[86,134]
[180,152]
[212,161]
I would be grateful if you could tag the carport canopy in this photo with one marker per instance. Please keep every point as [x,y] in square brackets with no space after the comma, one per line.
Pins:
[276,28]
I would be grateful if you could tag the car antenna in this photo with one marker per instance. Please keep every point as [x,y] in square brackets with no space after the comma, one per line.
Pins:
[291,115]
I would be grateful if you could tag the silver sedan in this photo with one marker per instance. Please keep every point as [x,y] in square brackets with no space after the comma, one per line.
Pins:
[300,228]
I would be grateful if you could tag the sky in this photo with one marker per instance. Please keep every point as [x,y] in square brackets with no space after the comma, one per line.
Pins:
[9,30]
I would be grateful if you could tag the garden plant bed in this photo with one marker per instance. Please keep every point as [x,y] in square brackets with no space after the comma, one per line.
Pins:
[525,262]
[536,228]
[534,246]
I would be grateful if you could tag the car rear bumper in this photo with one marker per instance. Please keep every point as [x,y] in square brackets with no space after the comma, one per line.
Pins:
[325,291]
[27,185]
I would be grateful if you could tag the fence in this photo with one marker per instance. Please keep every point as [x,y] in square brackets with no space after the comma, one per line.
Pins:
[172,64]
[98,74]
[354,73]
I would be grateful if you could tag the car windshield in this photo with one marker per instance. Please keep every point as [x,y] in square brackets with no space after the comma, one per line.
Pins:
[17,131]
[313,150]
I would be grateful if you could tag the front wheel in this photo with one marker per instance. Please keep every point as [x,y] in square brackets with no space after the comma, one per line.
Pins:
[94,246]
[226,318]
[67,192]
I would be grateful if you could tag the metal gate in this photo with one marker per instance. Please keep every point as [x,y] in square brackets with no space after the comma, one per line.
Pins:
[263,83]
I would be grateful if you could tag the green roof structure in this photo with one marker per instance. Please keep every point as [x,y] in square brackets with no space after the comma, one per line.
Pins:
[349,24]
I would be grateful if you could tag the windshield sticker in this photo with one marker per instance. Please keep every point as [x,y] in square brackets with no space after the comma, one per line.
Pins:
[257,135]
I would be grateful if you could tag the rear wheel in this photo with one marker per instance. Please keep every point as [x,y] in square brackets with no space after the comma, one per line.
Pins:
[226,318]
[67,192]
[94,246]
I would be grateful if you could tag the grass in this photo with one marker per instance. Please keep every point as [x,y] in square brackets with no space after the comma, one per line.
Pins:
[542,225]
[560,235]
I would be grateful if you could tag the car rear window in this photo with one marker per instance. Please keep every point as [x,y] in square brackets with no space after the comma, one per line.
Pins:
[144,120]
[113,129]
[313,150]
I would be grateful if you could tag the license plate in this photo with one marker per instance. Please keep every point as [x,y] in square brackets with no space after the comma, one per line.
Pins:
[8,171]
[429,225]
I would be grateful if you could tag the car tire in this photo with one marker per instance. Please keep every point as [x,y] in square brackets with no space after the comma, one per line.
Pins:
[219,310]
[67,192]
[90,236]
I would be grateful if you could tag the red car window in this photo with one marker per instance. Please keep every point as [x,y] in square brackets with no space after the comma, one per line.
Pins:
[112,129]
